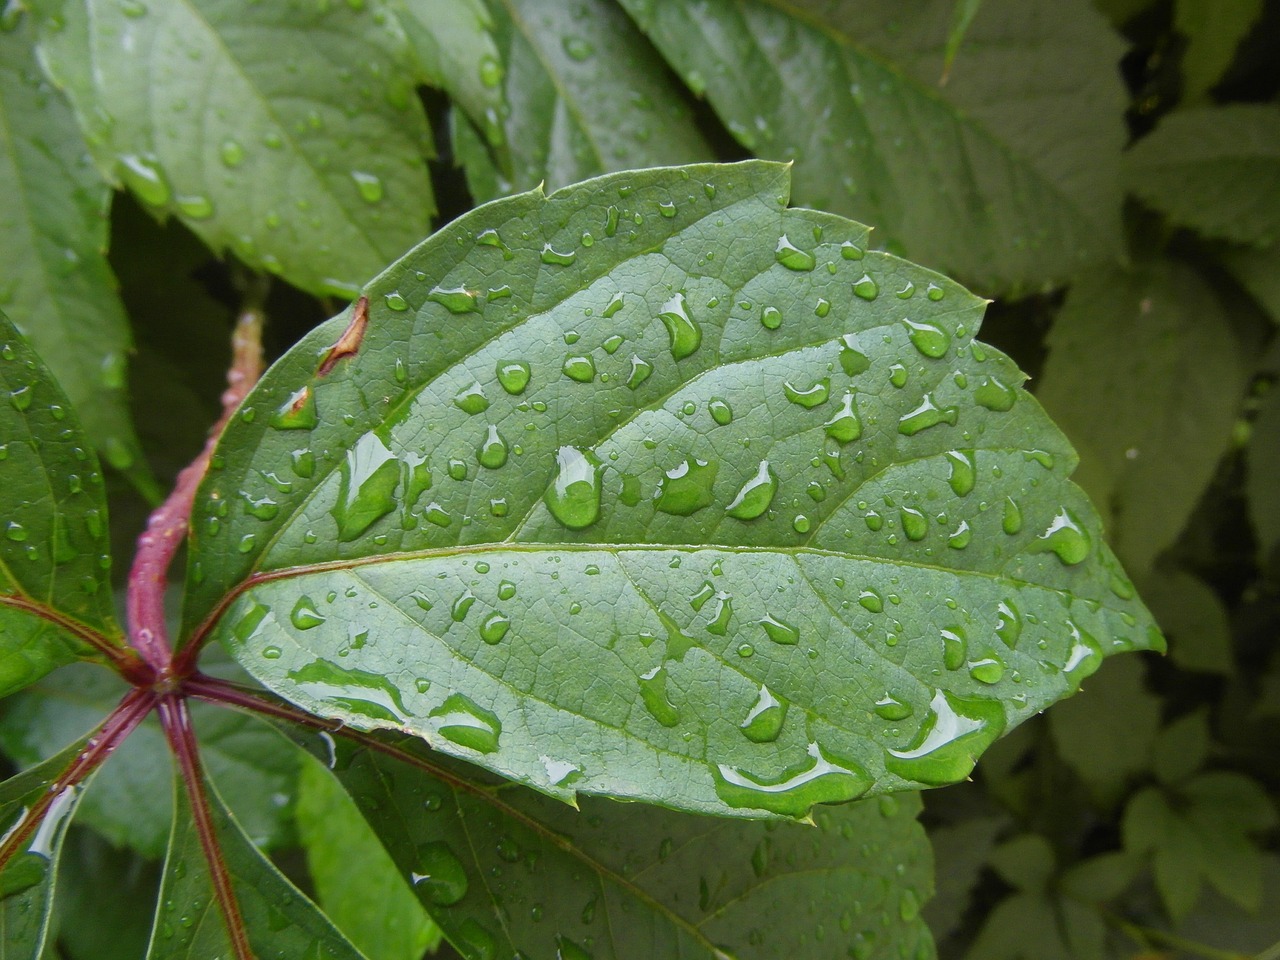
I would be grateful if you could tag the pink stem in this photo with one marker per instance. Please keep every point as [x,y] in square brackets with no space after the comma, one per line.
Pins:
[176,720]
[167,526]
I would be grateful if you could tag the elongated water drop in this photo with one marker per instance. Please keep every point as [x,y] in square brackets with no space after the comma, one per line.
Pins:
[684,333]
[763,722]
[1067,538]
[995,395]
[455,299]
[819,778]
[492,452]
[930,340]
[927,414]
[955,731]
[779,631]
[809,397]
[686,488]
[792,257]
[367,486]
[468,724]
[756,494]
[962,474]
[574,495]
[653,691]
[513,375]
[846,425]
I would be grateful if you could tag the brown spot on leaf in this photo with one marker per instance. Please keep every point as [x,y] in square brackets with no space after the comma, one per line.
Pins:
[348,344]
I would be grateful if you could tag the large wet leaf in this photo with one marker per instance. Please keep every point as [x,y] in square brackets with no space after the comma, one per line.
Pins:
[55,596]
[965,173]
[655,488]
[506,872]
[57,285]
[290,136]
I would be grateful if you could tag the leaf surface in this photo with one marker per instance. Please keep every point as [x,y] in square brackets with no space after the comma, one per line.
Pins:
[27,881]
[57,285]
[507,872]
[55,596]
[1145,372]
[1213,33]
[586,93]
[279,920]
[718,510]
[965,176]
[290,137]
[1215,170]
[1264,468]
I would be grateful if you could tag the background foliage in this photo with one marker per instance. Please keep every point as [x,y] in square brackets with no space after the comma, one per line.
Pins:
[1110,174]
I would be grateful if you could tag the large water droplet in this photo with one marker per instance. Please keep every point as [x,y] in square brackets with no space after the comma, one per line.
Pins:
[1067,538]
[779,631]
[144,177]
[926,415]
[367,486]
[467,724]
[494,627]
[653,691]
[720,411]
[846,425]
[455,299]
[641,370]
[818,779]
[581,369]
[492,452]
[963,473]
[471,399]
[304,615]
[866,288]
[955,648]
[686,488]
[955,731]
[853,360]
[791,256]
[1008,623]
[368,184]
[929,340]
[440,874]
[1011,522]
[891,708]
[574,495]
[553,256]
[684,333]
[809,397]
[756,494]
[988,669]
[764,721]
[491,238]
[995,395]
[513,375]
[914,523]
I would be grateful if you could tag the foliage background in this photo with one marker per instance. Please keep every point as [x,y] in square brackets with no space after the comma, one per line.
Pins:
[1109,174]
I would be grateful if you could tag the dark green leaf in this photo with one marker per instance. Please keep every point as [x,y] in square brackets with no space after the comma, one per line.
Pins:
[55,597]
[27,881]
[1194,618]
[1030,926]
[718,510]
[106,899]
[968,177]
[129,803]
[587,95]
[1264,469]
[962,14]
[1213,31]
[360,888]
[291,137]
[279,920]
[1181,748]
[961,850]
[1258,271]
[1026,862]
[1215,170]
[57,286]
[507,872]
[1146,376]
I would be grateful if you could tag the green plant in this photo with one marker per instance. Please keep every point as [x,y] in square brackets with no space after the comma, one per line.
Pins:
[649,488]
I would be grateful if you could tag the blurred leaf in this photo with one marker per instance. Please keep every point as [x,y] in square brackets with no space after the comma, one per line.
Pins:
[685,513]
[129,803]
[1106,733]
[290,136]
[1213,29]
[56,284]
[1258,271]
[356,882]
[1193,619]
[99,920]
[960,850]
[1026,862]
[1215,170]
[1036,926]
[1145,375]
[1099,878]
[962,14]
[1181,749]
[1263,481]
[1224,924]
[55,597]
[587,95]
[967,177]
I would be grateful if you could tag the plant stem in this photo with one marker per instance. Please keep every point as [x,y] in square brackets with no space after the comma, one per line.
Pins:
[119,723]
[176,720]
[168,524]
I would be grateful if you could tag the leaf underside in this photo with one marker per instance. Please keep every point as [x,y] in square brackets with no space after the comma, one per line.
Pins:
[657,489]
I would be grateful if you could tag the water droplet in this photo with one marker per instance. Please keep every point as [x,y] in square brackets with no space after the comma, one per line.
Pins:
[929,340]
[15,531]
[1012,520]
[574,495]
[506,590]
[457,469]
[552,256]
[467,724]
[1084,657]
[935,292]
[492,452]
[232,153]
[791,256]
[368,184]
[987,670]
[851,251]
[960,537]
[823,307]
[846,425]
[871,600]
[490,72]
[440,874]
[866,288]
[756,494]
[641,370]
[247,543]
[462,606]
[305,615]
[579,368]
[811,396]
[1067,538]
[513,375]
[195,206]
[494,627]
[491,238]
[298,412]
[955,648]
[21,398]
[1008,623]
[914,523]
[143,176]
[852,360]
[684,333]
[367,486]
[890,707]
[303,463]
[801,523]
[263,508]
[653,690]
[566,949]
[720,410]
[955,731]
[779,631]
[963,474]
[686,488]
[395,301]
[764,721]
[455,299]
[667,209]
[926,415]
[471,399]
[898,375]
[818,779]
[771,318]
[995,395]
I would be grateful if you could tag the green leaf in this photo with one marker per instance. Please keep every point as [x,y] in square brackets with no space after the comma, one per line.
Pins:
[507,872]
[1195,620]
[1145,373]
[57,285]
[129,803]
[1181,748]
[1026,862]
[967,177]
[279,921]
[1036,926]
[360,888]
[28,880]
[1215,170]
[1213,33]
[961,848]
[696,513]
[588,95]
[1264,467]
[55,596]
[97,920]
[291,138]
[1258,271]
[962,14]
[454,45]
